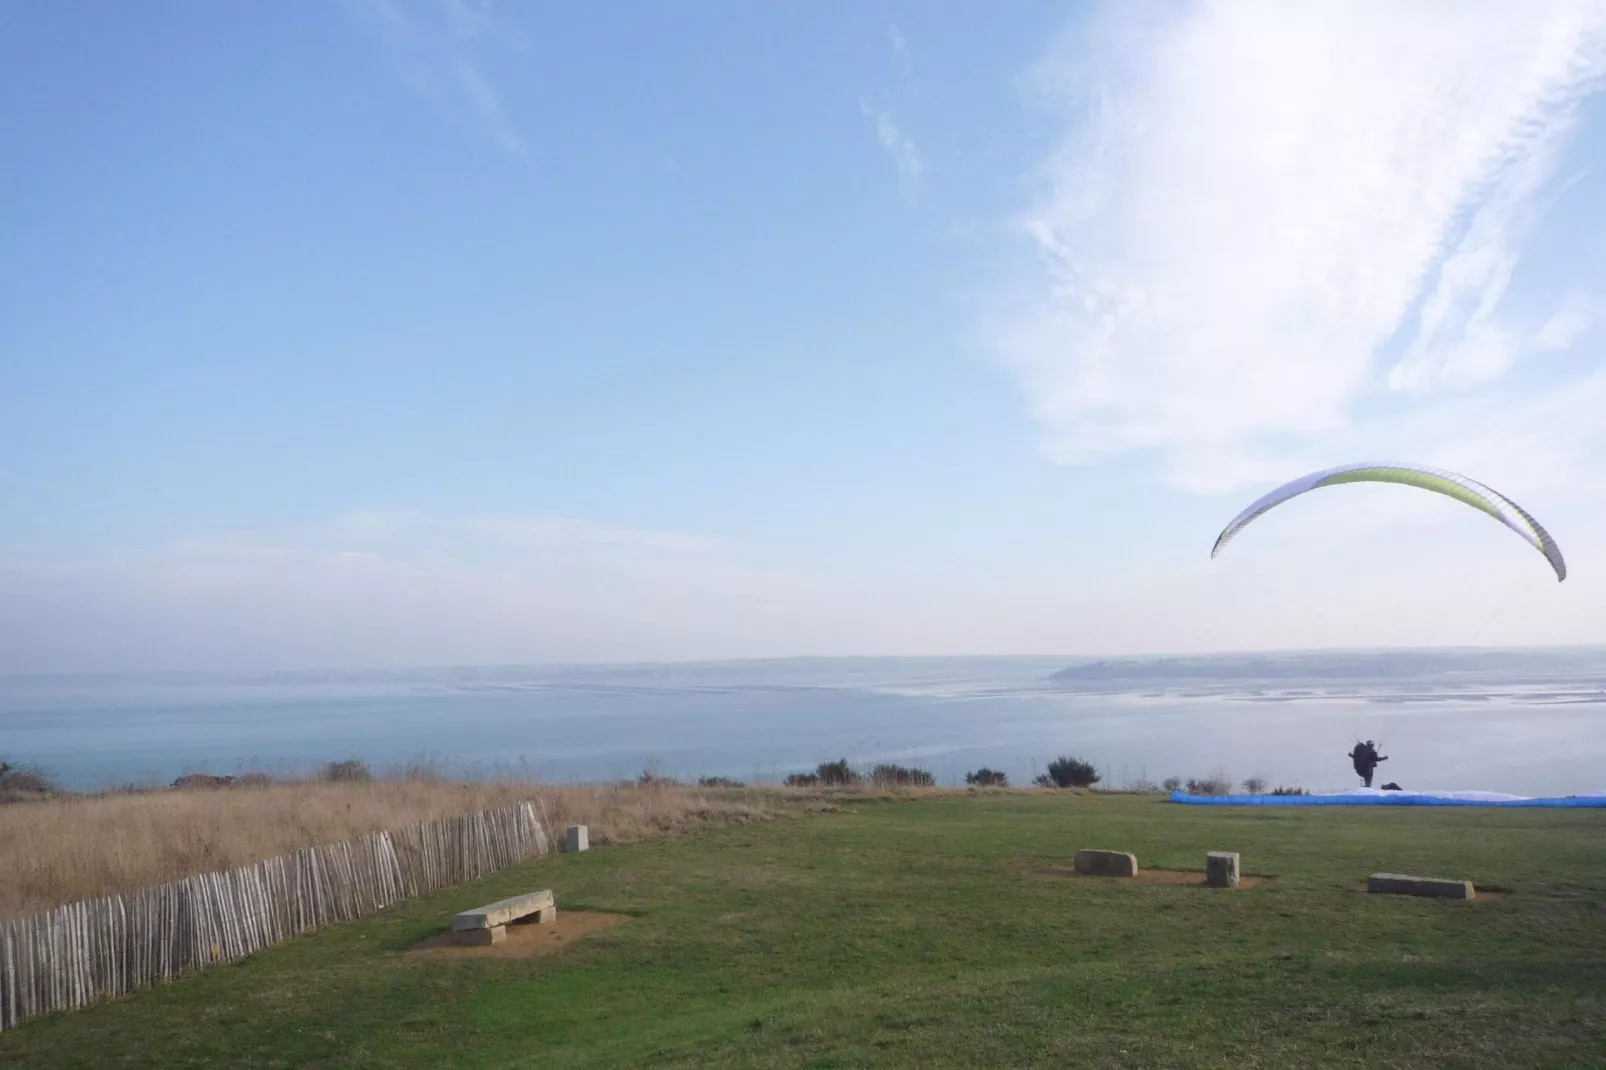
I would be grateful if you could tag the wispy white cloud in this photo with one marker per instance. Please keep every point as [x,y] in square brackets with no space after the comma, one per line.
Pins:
[900,147]
[1460,339]
[900,49]
[394,588]
[438,46]
[894,140]
[1571,319]
[388,589]
[473,534]
[1252,200]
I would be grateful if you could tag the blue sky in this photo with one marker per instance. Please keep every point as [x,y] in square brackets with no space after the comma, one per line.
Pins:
[396,332]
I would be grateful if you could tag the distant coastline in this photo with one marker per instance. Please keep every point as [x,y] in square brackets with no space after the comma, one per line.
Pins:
[1396,664]
[1329,662]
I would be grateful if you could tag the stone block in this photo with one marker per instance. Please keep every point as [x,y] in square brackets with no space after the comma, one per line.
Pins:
[576,838]
[1107,863]
[1400,884]
[481,937]
[504,910]
[1221,869]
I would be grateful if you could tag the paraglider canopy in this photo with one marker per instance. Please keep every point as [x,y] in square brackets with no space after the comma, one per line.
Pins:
[1462,489]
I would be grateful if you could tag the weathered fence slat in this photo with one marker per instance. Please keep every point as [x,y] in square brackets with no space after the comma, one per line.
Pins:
[80,952]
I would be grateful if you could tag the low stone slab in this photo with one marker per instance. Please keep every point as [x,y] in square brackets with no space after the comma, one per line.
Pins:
[576,838]
[1107,863]
[1221,869]
[481,937]
[1400,884]
[504,911]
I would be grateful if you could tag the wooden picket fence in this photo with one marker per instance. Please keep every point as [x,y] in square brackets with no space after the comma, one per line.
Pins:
[81,952]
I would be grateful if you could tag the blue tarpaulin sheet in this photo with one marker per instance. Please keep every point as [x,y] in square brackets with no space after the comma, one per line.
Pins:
[1391,798]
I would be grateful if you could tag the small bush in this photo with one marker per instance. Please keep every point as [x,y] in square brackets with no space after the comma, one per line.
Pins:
[1172,783]
[350,771]
[652,776]
[1218,784]
[887,774]
[1143,783]
[987,778]
[253,780]
[1255,786]
[837,774]
[202,782]
[1068,772]
[719,782]
[803,780]
[1279,790]
[19,782]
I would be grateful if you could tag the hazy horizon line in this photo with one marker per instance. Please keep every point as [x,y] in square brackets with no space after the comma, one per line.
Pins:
[1067,659]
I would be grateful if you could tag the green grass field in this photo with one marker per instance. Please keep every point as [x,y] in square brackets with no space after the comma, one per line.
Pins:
[925,932]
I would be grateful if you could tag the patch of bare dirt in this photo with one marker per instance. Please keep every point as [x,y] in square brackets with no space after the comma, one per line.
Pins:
[1179,877]
[528,939]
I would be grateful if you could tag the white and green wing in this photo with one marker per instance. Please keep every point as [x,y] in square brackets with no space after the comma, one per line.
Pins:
[1462,489]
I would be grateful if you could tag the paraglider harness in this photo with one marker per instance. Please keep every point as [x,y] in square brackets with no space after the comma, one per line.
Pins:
[1365,759]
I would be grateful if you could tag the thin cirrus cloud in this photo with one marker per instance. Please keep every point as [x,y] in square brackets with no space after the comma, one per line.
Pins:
[439,47]
[893,139]
[376,529]
[1252,201]
[393,588]
[900,49]
[899,147]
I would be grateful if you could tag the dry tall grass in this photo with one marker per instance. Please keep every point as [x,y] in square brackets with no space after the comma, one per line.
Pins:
[67,848]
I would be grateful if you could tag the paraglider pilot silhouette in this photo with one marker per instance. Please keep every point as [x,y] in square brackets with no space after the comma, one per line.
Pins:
[1365,757]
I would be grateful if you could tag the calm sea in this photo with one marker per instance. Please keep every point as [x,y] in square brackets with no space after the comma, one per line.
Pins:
[1532,729]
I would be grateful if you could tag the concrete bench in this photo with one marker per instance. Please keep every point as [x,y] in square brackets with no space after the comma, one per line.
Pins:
[1107,863]
[1400,884]
[488,924]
